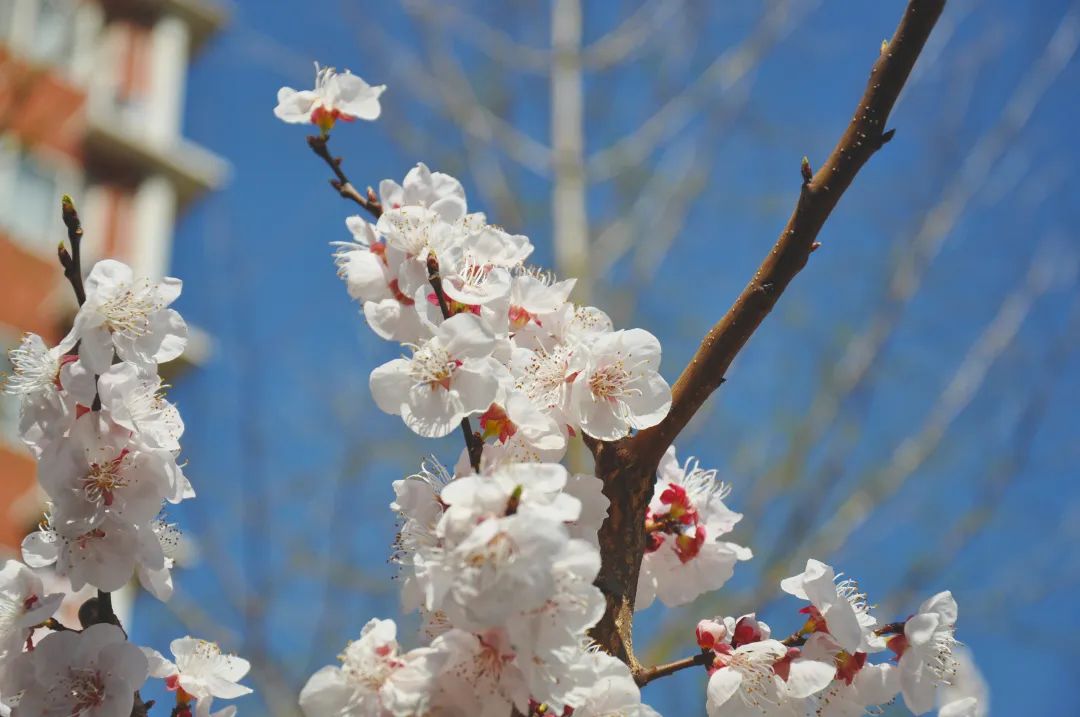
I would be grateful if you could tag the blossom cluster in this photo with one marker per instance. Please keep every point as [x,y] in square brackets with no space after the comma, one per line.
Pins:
[94,414]
[500,554]
[822,669]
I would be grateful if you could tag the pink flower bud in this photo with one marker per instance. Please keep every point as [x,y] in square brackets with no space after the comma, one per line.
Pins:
[747,630]
[710,633]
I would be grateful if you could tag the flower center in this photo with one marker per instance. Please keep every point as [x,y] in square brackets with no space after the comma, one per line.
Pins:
[942,662]
[104,479]
[82,690]
[85,540]
[544,379]
[848,589]
[432,366]
[499,550]
[495,422]
[128,312]
[756,689]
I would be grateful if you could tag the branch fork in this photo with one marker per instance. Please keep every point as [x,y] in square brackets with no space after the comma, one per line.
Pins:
[627,467]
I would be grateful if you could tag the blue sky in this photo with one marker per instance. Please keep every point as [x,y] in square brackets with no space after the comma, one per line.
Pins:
[293,463]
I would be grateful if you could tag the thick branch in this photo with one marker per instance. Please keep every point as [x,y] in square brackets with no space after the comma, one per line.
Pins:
[628,467]
[341,183]
[864,136]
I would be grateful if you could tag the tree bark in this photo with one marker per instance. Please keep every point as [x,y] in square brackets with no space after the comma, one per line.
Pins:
[628,467]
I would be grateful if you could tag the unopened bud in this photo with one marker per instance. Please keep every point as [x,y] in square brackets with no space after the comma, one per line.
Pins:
[514,501]
[710,633]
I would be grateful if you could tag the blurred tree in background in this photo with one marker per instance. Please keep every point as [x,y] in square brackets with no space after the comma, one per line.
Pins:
[918,378]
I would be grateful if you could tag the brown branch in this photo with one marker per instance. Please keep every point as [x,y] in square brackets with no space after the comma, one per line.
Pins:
[818,197]
[627,467]
[341,182]
[646,675]
[72,262]
[473,443]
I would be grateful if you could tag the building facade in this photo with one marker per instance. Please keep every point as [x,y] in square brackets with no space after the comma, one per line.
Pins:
[91,105]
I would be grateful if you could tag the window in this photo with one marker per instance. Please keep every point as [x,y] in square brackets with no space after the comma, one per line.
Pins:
[7,17]
[29,200]
[132,91]
[43,30]
[54,31]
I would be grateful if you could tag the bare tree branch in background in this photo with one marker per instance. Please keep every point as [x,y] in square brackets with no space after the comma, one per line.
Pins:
[913,451]
[925,570]
[497,44]
[868,494]
[622,43]
[725,72]
[856,366]
[670,163]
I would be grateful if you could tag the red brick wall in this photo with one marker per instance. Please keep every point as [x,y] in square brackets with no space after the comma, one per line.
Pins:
[17,515]
[28,283]
[40,107]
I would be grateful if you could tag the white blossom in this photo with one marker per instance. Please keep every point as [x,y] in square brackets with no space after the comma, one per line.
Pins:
[129,315]
[35,367]
[926,651]
[92,673]
[620,388]
[480,677]
[608,690]
[97,473]
[201,672]
[448,377]
[839,603]
[105,556]
[424,188]
[136,401]
[23,604]
[375,679]
[336,96]
[687,517]
[744,681]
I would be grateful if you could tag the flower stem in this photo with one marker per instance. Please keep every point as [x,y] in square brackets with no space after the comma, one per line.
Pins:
[474,444]
[646,675]
[342,184]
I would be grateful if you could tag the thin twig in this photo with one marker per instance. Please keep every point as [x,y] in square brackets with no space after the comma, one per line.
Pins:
[473,443]
[341,182]
[97,609]
[72,262]
[646,675]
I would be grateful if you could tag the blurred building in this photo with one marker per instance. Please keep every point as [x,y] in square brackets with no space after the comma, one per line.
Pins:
[91,102]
